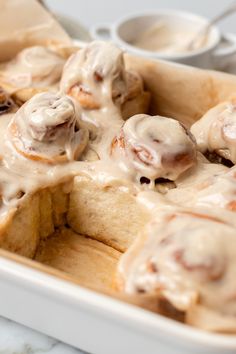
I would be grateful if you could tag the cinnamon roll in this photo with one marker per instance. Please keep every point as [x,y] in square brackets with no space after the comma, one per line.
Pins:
[35,68]
[185,257]
[96,77]
[215,132]
[218,190]
[154,147]
[46,129]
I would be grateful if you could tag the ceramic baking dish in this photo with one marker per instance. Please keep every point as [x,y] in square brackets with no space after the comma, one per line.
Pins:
[54,303]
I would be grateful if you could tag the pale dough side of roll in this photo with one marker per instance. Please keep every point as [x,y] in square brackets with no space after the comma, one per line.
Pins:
[106,213]
[35,218]
[19,232]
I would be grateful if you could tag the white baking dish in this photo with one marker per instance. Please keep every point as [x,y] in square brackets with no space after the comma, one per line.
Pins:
[94,322]
[44,299]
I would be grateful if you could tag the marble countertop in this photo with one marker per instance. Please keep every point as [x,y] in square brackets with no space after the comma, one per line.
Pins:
[17,339]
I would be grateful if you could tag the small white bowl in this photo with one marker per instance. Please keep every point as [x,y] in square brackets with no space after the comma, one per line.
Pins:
[128,29]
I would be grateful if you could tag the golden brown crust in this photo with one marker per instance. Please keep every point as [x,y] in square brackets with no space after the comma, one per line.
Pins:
[91,262]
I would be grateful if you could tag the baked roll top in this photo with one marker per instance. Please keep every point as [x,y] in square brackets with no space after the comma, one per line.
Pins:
[96,76]
[216,131]
[36,66]
[46,129]
[186,257]
[154,146]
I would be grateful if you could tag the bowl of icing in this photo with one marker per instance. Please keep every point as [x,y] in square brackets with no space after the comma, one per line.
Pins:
[165,34]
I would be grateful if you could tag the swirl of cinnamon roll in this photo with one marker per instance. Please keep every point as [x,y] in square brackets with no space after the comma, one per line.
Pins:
[186,257]
[36,66]
[216,131]
[46,129]
[154,146]
[96,75]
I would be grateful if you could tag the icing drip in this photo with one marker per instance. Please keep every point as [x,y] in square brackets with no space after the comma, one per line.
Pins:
[96,78]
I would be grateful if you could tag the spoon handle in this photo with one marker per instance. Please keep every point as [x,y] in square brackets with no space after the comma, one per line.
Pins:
[203,32]
[228,11]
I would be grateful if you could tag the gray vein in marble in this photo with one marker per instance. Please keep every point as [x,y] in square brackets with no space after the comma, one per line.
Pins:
[17,339]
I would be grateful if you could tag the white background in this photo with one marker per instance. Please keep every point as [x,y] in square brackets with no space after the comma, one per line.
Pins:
[90,12]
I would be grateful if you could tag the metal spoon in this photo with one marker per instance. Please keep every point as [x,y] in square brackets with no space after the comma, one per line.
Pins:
[202,33]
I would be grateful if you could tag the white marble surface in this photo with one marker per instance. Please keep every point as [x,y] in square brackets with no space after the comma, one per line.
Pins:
[17,339]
